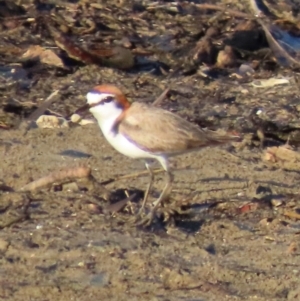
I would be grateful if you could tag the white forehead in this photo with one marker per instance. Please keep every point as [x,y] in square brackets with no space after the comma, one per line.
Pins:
[95,96]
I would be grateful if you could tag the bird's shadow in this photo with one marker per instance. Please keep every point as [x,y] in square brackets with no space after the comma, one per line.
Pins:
[194,219]
[189,226]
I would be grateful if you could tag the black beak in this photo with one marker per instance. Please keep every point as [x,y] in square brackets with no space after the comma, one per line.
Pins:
[82,109]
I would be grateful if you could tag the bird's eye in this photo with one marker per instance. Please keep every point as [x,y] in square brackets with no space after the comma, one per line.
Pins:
[107,99]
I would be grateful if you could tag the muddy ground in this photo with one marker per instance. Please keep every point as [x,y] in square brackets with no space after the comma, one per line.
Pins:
[239,239]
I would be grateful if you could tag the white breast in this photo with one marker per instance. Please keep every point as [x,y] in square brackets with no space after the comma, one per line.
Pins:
[106,115]
[121,143]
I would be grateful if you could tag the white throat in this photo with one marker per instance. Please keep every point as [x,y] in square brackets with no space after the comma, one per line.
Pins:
[107,116]
[105,113]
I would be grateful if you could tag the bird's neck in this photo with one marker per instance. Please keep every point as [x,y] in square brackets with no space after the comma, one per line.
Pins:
[108,122]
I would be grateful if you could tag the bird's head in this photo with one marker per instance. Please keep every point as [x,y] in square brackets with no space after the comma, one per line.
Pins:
[105,102]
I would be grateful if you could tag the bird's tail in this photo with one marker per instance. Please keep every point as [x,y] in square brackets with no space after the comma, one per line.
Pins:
[222,137]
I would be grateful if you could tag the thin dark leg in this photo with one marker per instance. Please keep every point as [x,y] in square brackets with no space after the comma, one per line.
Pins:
[163,196]
[166,191]
[148,187]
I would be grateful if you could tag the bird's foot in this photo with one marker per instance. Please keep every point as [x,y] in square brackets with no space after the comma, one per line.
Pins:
[143,219]
[170,212]
[141,212]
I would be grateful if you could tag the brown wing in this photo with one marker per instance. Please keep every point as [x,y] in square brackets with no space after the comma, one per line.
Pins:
[156,130]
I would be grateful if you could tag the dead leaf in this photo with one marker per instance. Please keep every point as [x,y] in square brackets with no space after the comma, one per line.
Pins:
[292,214]
[46,56]
[292,248]
[282,156]
[265,83]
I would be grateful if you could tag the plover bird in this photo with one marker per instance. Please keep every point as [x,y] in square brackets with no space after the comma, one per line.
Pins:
[143,131]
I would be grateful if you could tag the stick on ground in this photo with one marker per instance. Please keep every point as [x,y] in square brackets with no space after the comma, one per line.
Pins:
[43,107]
[160,98]
[57,176]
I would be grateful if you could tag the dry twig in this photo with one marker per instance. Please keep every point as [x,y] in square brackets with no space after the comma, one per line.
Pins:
[43,107]
[57,176]
[231,12]
[160,98]
[118,206]
[292,214]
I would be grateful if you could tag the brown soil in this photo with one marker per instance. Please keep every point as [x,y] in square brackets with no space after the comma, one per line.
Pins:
[238,241]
